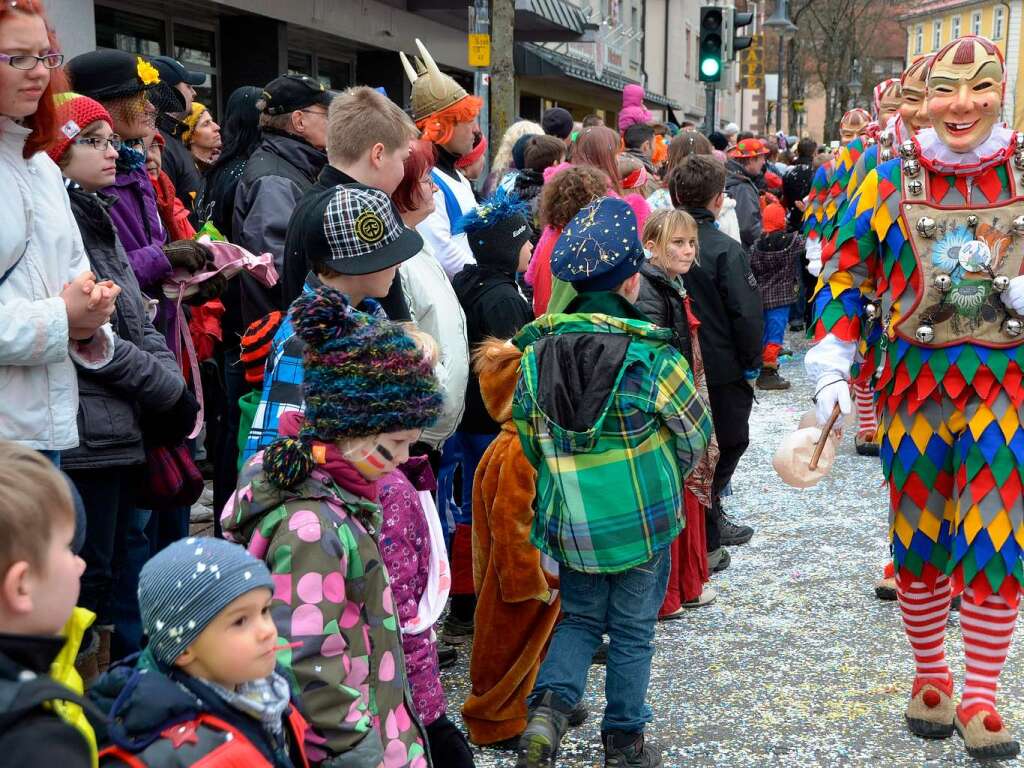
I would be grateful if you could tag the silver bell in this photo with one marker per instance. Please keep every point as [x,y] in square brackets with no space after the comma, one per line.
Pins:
[1013,326]
[871,311]
[1018,141]
[924,334]
[1018,225]
[972,221]
[943,283]
[911,167]
[926,226]
[1000,283]
[887,138]
[908,149]
[915,188]
[1018,160]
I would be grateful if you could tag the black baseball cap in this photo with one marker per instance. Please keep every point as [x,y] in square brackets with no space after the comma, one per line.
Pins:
[173,72]
[289,93]
[353,229]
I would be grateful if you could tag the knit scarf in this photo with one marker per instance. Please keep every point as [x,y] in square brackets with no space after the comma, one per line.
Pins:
[129,158]
[329,458]
[263,700]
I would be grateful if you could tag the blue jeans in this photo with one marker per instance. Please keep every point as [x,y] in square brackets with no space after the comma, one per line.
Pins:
[775,325]
[623,605]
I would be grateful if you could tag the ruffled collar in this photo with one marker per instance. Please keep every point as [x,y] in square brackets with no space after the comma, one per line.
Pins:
[940,158]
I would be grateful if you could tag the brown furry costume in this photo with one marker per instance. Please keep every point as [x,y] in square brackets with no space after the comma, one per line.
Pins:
[513,626]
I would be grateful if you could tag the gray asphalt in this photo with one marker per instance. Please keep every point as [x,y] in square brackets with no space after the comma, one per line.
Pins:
[797,663]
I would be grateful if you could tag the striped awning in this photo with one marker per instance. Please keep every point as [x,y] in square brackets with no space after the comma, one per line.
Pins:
[550,21]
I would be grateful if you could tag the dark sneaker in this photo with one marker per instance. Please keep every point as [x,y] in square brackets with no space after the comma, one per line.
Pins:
[600,656]
[446,656]
[785,352]
[797,325]
[456,631]
[865,446]
[770,379]
[538,746]
[579,715]
[718,560]
[733,534]
[634,753]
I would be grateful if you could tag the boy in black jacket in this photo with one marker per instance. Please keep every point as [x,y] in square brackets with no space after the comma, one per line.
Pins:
[725,298]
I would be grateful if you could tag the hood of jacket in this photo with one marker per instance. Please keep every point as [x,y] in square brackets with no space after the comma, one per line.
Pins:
[295,151]
[496,364]
[579,359]
[633,96]
[475,280]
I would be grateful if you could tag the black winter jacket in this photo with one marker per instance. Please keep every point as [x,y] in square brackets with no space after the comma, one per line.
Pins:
[724,296]
[143,374]
[30,733]
[743,189]
[662,303]
[494,307]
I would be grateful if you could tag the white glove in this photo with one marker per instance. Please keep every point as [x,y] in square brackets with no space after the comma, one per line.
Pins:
[1013,296]
[812,253]
[831,390]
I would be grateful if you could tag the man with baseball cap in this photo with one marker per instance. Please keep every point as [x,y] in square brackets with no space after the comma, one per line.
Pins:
[282,168]
[173,100]
[353,242]
[746,161]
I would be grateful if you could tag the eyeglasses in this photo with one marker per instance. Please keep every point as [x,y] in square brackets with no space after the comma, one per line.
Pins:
[26,62]
[314,112]
[101,144]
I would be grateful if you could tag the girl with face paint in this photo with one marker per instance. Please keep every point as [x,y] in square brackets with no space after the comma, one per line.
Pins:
[927,234]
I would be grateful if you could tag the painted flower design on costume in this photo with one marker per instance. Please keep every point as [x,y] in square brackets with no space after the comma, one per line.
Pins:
[946,252]
[148,74]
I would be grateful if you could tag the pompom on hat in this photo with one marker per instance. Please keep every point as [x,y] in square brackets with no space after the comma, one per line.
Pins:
[74,114]
[183,587]
[600,248]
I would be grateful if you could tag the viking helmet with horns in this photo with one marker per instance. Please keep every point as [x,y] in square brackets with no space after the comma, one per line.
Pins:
[432,90]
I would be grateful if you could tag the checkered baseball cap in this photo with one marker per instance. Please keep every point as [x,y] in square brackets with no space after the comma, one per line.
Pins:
[354,230]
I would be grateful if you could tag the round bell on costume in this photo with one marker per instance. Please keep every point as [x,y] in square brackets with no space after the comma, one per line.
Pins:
[911,167]
[871,311]
[1000,283]
[1018,160]
[926,226]
[1018,225]
[792,458]
[1013,327]
[943,282]
[908,149]
[915,187]
[972,221]
[924,334]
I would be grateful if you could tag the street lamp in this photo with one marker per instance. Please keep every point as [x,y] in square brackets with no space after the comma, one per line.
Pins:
[780,22]
[855,86]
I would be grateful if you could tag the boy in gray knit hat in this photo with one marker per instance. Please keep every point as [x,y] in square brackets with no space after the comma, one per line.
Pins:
[207,680]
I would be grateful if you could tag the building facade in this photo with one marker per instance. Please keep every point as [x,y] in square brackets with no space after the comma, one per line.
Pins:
[931,25]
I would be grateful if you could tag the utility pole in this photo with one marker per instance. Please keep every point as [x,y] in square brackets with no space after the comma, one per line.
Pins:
[503,84]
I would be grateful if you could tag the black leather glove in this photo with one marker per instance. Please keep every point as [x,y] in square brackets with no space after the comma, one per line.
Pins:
[187,254]
[208,290]
[172,426]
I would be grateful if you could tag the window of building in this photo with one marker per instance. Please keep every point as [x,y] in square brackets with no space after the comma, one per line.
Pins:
[936,35]
[300,63]
[129,32]
[918,38]
[954,27]
[335,74]
[634,27]
[196,48]
[976,23]
[997,23]
[689,55]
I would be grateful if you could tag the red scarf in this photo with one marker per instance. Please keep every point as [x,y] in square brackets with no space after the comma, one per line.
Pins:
[328,457]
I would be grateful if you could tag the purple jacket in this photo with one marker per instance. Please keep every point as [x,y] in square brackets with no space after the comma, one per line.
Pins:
[405,548]
[142,233]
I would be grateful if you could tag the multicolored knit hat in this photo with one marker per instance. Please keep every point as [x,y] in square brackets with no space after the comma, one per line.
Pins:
[74,114]
[362,376]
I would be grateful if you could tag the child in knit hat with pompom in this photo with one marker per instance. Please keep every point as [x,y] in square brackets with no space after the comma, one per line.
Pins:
[307,506]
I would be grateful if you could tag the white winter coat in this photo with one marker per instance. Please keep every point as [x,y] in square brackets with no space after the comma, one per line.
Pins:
[40,251]
[436,310]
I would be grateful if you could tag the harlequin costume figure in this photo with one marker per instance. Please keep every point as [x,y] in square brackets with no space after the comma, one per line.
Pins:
[935,235]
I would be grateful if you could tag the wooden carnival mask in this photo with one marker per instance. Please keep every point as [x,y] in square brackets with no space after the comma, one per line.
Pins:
[965,92]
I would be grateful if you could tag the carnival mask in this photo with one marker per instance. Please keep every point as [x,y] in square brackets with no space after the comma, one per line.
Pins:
[889,104]
[854,124]
[965,92]
[914,102]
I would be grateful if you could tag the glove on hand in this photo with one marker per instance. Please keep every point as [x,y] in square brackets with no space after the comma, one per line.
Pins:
[831,390]
[208,290]
[812,252]
[187,254]
[1013,296]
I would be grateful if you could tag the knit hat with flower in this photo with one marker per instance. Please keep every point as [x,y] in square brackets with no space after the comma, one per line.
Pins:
[362,376]
[75,113]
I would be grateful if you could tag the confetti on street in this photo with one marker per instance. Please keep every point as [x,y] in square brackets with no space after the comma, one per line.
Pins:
[797,663]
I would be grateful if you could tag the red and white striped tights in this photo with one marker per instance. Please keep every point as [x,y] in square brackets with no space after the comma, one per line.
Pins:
[867,419]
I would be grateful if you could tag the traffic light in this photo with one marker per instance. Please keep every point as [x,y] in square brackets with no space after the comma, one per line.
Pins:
[711,44]
[736,43]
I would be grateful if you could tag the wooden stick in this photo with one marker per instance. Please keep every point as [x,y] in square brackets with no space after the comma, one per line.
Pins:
[825,432]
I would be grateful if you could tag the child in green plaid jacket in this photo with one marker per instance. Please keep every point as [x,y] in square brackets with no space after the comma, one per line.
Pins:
[608,415]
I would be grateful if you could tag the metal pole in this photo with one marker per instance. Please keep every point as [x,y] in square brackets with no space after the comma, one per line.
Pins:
[710,118]
[778,90]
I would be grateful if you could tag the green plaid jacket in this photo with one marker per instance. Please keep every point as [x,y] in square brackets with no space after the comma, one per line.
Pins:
[609,491]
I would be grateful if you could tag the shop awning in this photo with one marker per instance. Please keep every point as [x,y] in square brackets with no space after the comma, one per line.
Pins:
[551,21]
[538,61]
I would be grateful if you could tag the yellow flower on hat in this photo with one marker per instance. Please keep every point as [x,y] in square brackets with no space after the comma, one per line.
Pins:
[148,74]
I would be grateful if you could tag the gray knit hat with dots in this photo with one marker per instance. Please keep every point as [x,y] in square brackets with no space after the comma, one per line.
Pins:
[183,587]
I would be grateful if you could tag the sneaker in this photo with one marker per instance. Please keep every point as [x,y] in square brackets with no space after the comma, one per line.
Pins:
[785,352]
[865,446]
[579,715]
[718,560]
[770,379]
[636,753]
[538,746]
[446,656]
[600,656]
[707,596]
[797,325]
[456,631]
[732,534]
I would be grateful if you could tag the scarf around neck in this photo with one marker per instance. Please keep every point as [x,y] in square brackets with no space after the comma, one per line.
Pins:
[329,458]
[263,700]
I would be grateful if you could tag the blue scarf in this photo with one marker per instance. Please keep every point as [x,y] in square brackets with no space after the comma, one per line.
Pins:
[130,158]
